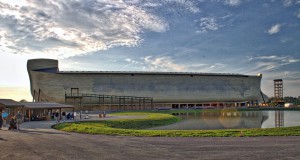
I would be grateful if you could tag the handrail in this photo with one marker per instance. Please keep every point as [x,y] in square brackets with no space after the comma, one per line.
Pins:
[71,95]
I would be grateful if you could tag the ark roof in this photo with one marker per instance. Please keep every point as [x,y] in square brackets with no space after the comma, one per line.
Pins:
[152,73]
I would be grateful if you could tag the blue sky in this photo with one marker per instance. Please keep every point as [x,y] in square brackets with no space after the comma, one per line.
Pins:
[220,36]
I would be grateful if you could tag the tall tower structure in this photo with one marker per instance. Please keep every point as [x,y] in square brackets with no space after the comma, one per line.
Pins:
[278,92]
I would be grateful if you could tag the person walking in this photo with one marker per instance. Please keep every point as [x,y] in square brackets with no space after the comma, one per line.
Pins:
[74,116]
[4,116]
[56,115]
[1,121]
[63,114]
[19,119]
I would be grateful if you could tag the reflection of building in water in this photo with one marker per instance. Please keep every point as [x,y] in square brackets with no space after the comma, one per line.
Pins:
[225,119]
[279,119]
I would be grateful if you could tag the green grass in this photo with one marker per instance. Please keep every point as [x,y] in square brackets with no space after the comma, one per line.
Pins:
[137,126]
[147,120]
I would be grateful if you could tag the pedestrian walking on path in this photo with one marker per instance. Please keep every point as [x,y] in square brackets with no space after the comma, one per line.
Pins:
[74,116]
[1,121]
[63,114]
[56,115]
[4,117]
[19,119]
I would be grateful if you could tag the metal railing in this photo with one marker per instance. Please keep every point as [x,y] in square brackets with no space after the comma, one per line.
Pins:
[83,99]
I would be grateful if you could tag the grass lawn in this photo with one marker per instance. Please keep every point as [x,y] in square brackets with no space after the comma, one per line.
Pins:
[144,120]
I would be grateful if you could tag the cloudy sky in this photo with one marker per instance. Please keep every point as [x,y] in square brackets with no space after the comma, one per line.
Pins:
[220,36]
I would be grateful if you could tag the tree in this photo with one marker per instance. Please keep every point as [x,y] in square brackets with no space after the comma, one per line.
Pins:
[23,100]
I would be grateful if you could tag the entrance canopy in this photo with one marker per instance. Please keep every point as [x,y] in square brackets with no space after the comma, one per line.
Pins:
[44,111]
[11,107]
[42,105]
[36,110]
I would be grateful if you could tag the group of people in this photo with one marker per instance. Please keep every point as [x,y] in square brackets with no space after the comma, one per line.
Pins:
[14,122]
[64,116]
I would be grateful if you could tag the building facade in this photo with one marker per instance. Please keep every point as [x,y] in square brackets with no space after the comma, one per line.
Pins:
[176,89]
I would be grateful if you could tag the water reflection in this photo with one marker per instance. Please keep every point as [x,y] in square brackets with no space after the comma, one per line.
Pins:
[207,120]
[279,119]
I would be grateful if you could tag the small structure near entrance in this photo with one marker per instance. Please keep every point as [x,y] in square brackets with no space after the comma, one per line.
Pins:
[11,107]
[33,110]
[44,111]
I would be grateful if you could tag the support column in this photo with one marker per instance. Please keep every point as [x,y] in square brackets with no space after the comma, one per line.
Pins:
[73,113]
[119,104]
[111,101]
[140,104]
[151,104]
[131,103]
[29,115]
[39,95]
[59,113]
[33,97]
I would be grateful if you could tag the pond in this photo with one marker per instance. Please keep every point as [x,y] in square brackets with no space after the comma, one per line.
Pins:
[212,120]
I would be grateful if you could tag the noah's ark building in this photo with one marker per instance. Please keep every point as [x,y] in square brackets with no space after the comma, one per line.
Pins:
[111,90]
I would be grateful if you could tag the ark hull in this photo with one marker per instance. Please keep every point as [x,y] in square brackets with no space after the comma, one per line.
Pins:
[163,87]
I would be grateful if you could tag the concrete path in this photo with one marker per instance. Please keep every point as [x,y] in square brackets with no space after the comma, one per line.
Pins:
[38,141]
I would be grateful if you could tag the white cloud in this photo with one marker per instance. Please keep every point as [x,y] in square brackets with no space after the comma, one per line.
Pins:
[170,5]
[162,64]
[207,68]
[15,2]
[128,60]
[298,14]
[132,62]
[233,2]
[268,63]
[189,5]
[211,23]
[274,29]
[287,3]
[182,4]
[73,27]
[168,64]
[225,2]
[208,24]
[151,4]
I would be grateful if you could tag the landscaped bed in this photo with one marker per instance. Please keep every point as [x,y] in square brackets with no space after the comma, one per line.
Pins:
[138,126]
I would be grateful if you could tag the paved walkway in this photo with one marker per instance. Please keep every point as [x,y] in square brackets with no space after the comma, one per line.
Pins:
[46,125]
[40,125]
[38,140]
